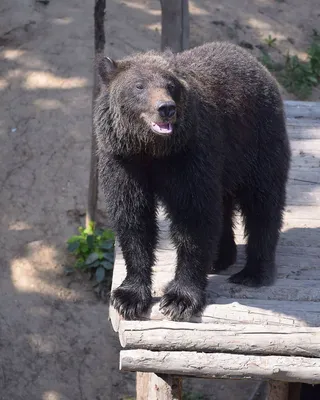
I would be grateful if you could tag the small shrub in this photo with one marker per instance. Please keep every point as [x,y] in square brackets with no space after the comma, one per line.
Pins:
[94,251]
[270,41]
[299,77]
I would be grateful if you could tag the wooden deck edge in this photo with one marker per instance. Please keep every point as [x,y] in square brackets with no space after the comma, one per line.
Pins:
[222,366]
[252,311]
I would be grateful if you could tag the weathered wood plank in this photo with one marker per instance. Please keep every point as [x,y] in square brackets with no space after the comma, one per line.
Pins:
[240,339]
[222,365]
[310,146]
[302,109]
[304,176]
[303,129]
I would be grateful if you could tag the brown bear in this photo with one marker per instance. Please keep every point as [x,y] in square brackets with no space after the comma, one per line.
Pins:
[203,132]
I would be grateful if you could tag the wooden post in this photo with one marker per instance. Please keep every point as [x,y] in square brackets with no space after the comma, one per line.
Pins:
[277,390]
[294,391]
[175,25]
[158,387]
[99,42]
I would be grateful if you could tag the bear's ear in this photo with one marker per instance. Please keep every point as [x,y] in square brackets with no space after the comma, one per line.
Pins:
[106,67]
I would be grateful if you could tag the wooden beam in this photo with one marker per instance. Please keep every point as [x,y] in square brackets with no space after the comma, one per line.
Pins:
[158,387]
[175,25]
[210,338]
[222,365]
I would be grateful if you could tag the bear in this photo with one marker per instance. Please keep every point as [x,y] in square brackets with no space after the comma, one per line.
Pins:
[203,133]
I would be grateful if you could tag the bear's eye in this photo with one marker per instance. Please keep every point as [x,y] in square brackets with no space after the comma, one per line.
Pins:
[139,85]
[171,86]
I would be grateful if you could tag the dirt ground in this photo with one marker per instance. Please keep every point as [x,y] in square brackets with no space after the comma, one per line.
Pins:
[56,342]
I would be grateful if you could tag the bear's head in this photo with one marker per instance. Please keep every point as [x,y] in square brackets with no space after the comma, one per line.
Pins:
[142,104]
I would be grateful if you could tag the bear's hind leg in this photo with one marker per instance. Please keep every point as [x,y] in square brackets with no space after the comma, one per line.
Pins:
[227,253]
[262,213]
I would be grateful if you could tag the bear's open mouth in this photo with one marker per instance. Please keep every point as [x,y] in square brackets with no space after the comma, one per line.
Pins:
[162,128]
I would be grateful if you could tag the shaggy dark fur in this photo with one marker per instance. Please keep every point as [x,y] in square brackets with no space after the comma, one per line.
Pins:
[228,148]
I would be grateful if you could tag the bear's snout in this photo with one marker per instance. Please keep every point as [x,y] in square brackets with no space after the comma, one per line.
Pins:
[166,109]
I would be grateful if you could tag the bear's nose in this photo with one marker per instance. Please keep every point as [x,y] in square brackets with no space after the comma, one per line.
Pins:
[166,109]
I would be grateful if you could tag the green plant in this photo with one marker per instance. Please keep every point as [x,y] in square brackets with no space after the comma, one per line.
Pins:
[299,77]
[314,58]
[94,251]
[270,41]
[267,61]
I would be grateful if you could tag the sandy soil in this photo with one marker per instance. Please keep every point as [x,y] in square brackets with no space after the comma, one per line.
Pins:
[55,339]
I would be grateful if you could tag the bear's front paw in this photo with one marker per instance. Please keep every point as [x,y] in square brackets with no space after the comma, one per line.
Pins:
[262,274]
[131,300]
[182,302]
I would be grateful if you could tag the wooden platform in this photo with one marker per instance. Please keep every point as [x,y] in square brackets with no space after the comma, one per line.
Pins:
[267,333]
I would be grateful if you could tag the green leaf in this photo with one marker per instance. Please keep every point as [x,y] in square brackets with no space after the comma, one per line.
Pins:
[107,265]
[74,238]
[108,234]
[313,79]
[73,246]
[92,258]
[90,241]
[95,264]
[99,232]
[107,245]
[100,274]
[109,257]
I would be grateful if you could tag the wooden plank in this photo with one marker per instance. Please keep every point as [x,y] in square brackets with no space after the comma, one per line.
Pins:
[151,386]
[302,109]
[302,194]
[174,25]
[226,338]
[245,311]
[222,365]
[302,129]
[304,176]
[311,146]
[292,262]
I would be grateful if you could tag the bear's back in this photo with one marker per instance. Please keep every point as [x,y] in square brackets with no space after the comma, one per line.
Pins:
[228,75]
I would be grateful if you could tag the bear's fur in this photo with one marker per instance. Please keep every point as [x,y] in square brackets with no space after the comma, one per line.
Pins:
[225,147]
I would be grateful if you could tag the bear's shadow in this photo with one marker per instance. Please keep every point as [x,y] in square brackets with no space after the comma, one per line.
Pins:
[303,265]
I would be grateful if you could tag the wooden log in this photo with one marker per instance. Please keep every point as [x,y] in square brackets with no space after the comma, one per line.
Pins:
[222,365]
[277,390]
[151,386]
[212,338]
[175,25]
